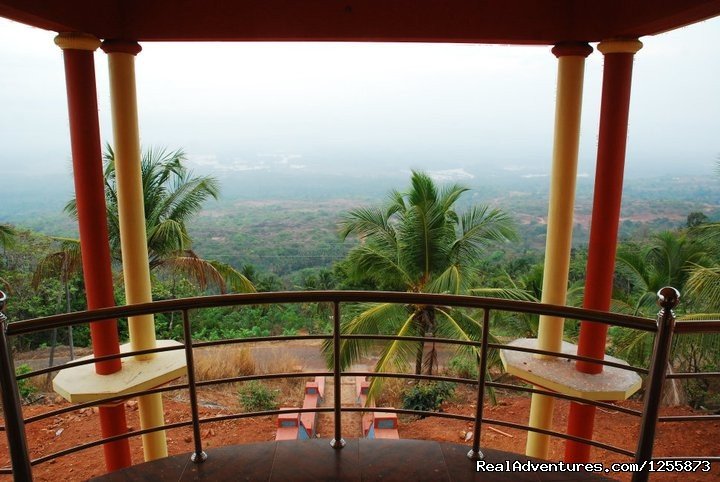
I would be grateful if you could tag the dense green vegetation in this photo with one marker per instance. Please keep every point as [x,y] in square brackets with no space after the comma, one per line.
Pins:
[666,239]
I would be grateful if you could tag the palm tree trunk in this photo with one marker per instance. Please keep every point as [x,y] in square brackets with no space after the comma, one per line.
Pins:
[431,360]
[51,360]
[172,313]
[419,358]
[421,322]
[70,328]
[53,342]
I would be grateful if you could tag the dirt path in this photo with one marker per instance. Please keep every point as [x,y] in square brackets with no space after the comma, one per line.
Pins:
[351,421]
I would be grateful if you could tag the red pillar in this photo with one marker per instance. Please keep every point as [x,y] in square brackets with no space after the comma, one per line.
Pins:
[612,140]
[92,221]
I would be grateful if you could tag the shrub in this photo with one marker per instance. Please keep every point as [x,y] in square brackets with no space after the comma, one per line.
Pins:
[463,366]
[256,397]
[427,396]
[25,388]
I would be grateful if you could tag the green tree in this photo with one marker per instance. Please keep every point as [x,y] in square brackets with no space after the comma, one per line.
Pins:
[7,240]
[66,263]
[695,219]
[666,260]
[704,281]
[417,242]
[172,196]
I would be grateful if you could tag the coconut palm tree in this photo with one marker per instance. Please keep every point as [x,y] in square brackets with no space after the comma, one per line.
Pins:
[667,260]
[7,240]
[417,242]
[65,263]
[704,281]
[172,196]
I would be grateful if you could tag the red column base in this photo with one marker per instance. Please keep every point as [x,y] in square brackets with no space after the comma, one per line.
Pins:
[112,422]
[581,422]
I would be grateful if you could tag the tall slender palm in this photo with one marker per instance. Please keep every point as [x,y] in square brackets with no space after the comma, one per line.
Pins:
[172,196]
[417,242]
[65,263]
[7,240]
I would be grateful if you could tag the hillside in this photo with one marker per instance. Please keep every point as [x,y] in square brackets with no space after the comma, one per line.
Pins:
[283,224]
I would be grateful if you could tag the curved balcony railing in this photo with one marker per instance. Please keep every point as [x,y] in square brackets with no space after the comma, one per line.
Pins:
[664,328]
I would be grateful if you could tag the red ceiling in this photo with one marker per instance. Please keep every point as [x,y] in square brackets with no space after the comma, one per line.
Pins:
[477,21]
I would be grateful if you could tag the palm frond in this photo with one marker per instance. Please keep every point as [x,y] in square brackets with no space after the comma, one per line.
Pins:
[704,285]
[378,264]
[504,293]
[449,195]
[452,329]
[63,264]
[699,317]
[396,203]
[166,237]
[455,330]
[206,274]
[481,226]
[634,264]
[372,223]
[449,281]
[632,345]
[7,235]
[394,356]
[187,198]
[195,268]
[234,279]
[376,319]
[472,328]
[424,238]
[423,191]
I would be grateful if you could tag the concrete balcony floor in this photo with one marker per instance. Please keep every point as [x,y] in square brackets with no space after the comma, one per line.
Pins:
[314,460]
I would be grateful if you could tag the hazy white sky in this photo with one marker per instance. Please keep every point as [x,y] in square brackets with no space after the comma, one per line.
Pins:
[391,106]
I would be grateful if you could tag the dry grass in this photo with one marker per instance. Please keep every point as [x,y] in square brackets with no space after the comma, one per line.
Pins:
[223,362]
[283,362]
[227,361]
[392,390]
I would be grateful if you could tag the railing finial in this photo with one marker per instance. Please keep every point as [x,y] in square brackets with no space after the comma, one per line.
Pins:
[668,297]
[3,299]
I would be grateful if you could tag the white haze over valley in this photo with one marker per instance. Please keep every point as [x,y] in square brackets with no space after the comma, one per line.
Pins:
[461,112]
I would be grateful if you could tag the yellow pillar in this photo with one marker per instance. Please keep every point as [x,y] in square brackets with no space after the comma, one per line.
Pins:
[571,68]
[131,213]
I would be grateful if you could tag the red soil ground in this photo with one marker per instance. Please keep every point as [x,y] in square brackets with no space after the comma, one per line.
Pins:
[80,426]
